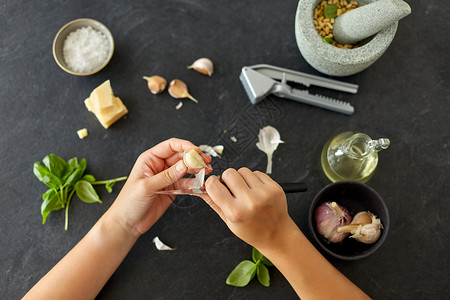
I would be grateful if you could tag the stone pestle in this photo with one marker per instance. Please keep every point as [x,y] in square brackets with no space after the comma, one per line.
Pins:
[367,20]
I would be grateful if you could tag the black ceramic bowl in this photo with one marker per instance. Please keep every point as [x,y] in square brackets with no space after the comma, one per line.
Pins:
[356,197]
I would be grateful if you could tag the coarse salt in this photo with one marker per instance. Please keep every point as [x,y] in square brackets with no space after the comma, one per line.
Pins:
[85,50]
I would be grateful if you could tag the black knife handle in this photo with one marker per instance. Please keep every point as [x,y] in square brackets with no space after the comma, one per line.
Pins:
[293,187]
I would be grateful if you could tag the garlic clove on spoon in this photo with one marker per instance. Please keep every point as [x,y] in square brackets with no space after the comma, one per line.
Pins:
[178,89]
[156,84]
[203,65]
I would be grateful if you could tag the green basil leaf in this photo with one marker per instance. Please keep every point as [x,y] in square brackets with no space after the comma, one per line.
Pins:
[330,11]
[86,192]
[256,255]
[75,176]
[327,40]
[263,275]
[45,176]
[55,164]
[242,274]
[89,178]
[50,203]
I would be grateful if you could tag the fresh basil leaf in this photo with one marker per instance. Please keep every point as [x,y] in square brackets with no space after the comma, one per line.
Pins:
[263,275]
[256,255]
[89,178]
[86,192]
[50,203]
[75,176]
[242,274]
[45,176]
[55,164]
[327,40]
[330,11]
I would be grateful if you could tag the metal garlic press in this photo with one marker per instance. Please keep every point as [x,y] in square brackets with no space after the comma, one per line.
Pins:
[261,80]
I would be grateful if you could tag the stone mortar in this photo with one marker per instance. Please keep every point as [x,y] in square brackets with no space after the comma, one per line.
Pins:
[332,60]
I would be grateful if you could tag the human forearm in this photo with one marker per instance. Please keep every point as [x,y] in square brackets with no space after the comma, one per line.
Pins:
[308,272]
[83,272]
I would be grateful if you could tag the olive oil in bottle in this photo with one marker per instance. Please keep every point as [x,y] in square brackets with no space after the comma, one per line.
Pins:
[351,156]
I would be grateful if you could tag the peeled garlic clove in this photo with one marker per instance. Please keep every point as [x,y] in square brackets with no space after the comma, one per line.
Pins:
[193,160]
[156,84]
[178,89]
[203,65]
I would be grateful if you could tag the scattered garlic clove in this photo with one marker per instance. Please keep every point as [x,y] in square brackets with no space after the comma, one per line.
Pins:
[156,84]
[203,65]
[192,159]
[160,245]
[178,89]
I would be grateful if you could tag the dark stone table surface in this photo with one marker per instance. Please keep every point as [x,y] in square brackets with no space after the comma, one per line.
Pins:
[403,96]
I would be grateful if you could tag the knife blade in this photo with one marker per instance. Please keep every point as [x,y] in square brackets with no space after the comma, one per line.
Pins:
[288,187]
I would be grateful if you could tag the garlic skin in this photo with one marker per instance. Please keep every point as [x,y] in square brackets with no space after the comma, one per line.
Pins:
[215,151]
[178,89]
[329,216]
[156,84]
[367,233]
[203,65]
[269,138]
[193,160]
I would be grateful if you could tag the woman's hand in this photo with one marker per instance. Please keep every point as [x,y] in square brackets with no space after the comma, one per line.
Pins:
[252,205]
[137,208]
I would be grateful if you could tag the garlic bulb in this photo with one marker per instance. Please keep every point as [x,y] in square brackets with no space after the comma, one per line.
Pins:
[366,229]
[269,138]
[203,65]
[193,160]
[156,84]
[329,216]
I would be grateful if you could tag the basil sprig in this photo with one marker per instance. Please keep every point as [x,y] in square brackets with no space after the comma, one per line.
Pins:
[246,270]
[64,179]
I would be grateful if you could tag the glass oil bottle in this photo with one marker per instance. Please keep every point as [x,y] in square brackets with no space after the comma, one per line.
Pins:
[351,156]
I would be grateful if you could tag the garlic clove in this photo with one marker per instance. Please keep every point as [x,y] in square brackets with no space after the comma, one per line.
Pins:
[178,89]
[203,65]
[156,84]
[193,160]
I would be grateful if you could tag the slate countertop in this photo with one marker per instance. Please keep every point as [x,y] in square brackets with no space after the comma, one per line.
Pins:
[404,96]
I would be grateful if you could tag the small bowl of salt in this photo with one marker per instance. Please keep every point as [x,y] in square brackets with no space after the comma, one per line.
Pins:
[83,47]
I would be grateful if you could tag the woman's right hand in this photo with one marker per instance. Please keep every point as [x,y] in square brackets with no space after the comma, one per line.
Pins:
[252,205]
